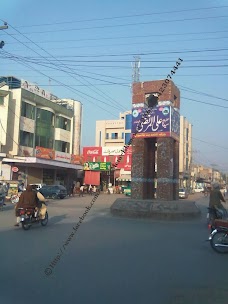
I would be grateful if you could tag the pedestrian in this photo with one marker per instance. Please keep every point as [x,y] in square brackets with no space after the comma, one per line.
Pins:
[90,189]
[3,193]
[81,190]
[72,190]
[21,187]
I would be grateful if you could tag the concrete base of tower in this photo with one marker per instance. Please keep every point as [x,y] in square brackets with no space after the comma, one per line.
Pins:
[170,210]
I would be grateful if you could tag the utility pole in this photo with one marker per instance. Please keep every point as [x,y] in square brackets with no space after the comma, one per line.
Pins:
[3,27]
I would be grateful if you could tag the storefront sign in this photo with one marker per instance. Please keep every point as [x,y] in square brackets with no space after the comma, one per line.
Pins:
[45,153]
[35,89]
[15,169]
[112,150]
[97,166]
[63,157]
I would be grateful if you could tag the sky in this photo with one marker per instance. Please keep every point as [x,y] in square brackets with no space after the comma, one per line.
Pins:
[84,50]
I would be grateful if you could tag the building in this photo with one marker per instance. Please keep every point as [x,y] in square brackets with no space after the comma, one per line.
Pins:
[114,132]
[40,134]
[185,152]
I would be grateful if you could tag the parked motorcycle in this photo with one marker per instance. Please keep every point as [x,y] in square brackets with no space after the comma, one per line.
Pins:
[219,236]
[29,216]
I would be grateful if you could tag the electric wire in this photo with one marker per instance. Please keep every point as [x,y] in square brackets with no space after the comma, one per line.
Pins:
[96,89]
[126,16]
[122,25]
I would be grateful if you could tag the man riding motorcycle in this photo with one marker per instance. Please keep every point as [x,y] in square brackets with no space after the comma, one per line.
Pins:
[215,200]
[28,199]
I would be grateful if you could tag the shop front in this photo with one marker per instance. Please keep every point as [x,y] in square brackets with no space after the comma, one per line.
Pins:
[33,170]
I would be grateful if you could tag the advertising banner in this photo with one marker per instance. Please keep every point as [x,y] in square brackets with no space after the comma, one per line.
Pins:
[76,159]
[97,166]
[45,153]
[63,157]
[156,124]
[175,124]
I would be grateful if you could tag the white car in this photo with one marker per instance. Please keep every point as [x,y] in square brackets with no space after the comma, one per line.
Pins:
[199,190]
[37,186]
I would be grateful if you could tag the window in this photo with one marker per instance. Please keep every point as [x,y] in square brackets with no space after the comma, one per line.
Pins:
[128,122]
[114,135]
[122,135]
[45,129]
[62,146]
[27,110]
[26,139]
[1,100]
[127,138]
[186,134]
[107,136]
[63,123]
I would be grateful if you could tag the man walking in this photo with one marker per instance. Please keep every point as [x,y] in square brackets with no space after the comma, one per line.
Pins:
[81,190]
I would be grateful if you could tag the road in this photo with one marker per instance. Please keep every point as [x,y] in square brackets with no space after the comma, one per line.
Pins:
[110,259]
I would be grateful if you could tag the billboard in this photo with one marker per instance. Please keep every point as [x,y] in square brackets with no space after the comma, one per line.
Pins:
[163,121]
[97,166]
[45,153]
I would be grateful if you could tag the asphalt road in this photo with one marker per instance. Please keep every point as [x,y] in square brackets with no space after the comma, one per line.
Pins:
[110,259]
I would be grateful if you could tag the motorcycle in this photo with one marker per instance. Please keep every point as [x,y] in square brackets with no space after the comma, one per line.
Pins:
[29,216]
[212,215]
[219,236]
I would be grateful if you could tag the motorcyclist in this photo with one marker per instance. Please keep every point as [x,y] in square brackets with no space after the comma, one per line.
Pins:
[28,199]
[215,200]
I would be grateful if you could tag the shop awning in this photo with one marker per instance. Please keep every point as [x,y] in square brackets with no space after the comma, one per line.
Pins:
[40,163]
[124,178]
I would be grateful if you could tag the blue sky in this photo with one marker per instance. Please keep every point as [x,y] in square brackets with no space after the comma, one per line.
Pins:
[95,41]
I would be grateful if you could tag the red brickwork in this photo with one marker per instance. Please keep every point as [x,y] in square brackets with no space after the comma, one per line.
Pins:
[142,88]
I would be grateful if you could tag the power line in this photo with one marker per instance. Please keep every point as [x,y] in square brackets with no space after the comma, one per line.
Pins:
[67,86]
[201,93]
[208,103]
[126,16]
[69,69]
[123,37]
[123,25]
[146,53]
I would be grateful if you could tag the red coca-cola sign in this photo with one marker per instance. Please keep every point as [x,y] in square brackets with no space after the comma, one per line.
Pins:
[92,151]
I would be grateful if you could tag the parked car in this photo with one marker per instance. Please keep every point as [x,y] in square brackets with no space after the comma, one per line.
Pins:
[53,191]
[183,193]
[199,190]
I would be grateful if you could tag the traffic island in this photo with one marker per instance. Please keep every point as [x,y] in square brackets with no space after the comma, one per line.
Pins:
[155,209]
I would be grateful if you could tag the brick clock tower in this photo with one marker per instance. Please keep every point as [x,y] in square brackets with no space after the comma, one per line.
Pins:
[155,148]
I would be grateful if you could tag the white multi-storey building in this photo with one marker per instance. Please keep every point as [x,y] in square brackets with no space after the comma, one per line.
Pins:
[38,134]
